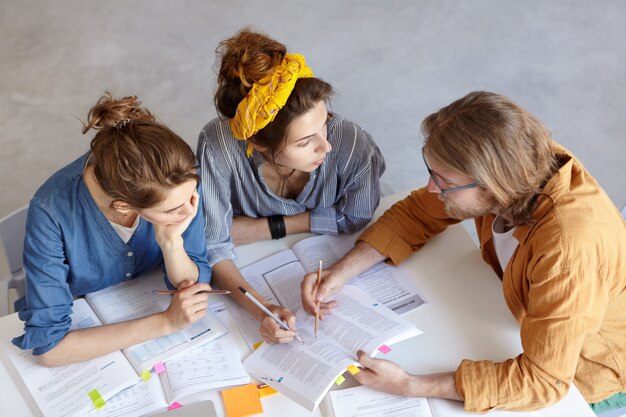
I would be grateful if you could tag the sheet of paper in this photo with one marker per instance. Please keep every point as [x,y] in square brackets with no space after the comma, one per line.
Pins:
[63,391]
[213,365]
[135,299]
[140,399]
[365,402]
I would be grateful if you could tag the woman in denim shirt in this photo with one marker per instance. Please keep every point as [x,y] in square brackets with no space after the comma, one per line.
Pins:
[126,207]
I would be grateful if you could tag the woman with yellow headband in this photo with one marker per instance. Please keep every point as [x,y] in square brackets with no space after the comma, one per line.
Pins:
[278,162]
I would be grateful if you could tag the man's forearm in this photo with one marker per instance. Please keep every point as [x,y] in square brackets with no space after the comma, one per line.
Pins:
[361,257]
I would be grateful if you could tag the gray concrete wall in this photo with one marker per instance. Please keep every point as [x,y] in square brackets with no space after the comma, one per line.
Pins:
[392,63]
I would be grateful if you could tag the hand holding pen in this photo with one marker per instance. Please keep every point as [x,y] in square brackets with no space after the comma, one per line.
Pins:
[188,305]
[274,318]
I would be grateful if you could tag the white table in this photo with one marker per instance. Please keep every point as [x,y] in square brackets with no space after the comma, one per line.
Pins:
[466,317]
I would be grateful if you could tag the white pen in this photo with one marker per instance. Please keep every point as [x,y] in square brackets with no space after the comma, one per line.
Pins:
[266,311]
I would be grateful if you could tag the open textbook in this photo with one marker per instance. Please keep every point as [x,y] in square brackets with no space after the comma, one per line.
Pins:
[305,371]
[278,278]
[76,389]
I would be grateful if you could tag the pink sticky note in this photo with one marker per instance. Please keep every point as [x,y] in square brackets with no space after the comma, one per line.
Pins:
[385,349]
[159,368]
[174,406]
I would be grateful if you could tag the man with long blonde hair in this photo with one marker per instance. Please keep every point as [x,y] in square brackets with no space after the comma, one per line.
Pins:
[549,232]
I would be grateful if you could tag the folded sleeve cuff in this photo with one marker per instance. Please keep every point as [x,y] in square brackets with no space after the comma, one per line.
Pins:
[39,334]
[221,252]
[324,221]
[204,273]
[387,243]
[476,383]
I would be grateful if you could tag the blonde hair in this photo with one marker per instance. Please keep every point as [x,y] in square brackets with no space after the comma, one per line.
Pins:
[500,145]
[135,157]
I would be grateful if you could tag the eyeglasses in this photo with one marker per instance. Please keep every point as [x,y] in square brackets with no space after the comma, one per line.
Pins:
[444,191]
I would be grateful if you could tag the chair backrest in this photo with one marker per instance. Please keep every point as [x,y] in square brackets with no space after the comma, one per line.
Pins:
[12,232]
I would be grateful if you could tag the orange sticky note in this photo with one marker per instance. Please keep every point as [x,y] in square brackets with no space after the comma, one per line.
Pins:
[242,401]
[353,369]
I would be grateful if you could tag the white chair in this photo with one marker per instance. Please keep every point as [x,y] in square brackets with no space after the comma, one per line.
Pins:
[12,232]
[385,188]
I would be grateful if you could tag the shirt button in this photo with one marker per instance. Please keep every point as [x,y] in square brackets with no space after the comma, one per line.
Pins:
[128,274]
[129,254]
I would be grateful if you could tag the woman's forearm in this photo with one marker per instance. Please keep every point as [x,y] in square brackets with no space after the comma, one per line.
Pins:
[84,344]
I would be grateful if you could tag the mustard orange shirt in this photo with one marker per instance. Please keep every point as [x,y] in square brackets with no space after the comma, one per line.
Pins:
[565,285]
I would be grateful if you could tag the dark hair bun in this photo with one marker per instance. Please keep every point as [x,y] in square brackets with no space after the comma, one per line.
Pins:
[245,58]
[110,112]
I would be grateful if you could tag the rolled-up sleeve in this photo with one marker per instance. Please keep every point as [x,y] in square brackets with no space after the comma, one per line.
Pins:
[563,309]
[47,307]
[408,225]
[217,208]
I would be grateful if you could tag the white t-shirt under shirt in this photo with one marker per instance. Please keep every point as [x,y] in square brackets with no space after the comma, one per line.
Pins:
[504,243]
[125,232]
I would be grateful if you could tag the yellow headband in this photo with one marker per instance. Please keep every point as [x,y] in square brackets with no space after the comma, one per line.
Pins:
[267,97]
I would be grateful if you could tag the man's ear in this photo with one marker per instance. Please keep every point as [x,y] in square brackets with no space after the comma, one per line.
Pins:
[124,209]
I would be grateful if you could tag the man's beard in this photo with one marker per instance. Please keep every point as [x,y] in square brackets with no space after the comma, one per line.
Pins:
[464,212]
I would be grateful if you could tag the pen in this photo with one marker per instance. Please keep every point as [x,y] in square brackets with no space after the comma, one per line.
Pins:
[222,292]
[317,311]
[266,311]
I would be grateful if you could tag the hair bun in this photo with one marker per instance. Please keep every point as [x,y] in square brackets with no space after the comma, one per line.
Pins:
[111,112]
[248,57]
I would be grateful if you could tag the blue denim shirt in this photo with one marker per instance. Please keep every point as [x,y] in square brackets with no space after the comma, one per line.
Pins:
[71,249]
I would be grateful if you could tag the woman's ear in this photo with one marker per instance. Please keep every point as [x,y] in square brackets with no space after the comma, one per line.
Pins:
[124,209]
[256,146]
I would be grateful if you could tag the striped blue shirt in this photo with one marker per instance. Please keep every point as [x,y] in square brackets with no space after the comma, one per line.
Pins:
[341,194]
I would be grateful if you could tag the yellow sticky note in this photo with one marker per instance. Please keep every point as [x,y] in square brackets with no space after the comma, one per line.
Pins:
[265,390]
[257,344]
[353,369]
[97,400]
[242,401]
[145,375]
[339,380]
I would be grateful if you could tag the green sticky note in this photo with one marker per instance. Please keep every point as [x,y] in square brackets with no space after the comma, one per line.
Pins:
[339,380]
[97,400]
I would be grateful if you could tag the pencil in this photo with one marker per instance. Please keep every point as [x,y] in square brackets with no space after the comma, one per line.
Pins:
[221,292]
[317,312]
[266,311]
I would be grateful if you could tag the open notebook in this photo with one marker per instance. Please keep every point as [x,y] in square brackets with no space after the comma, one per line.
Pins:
[78,388]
